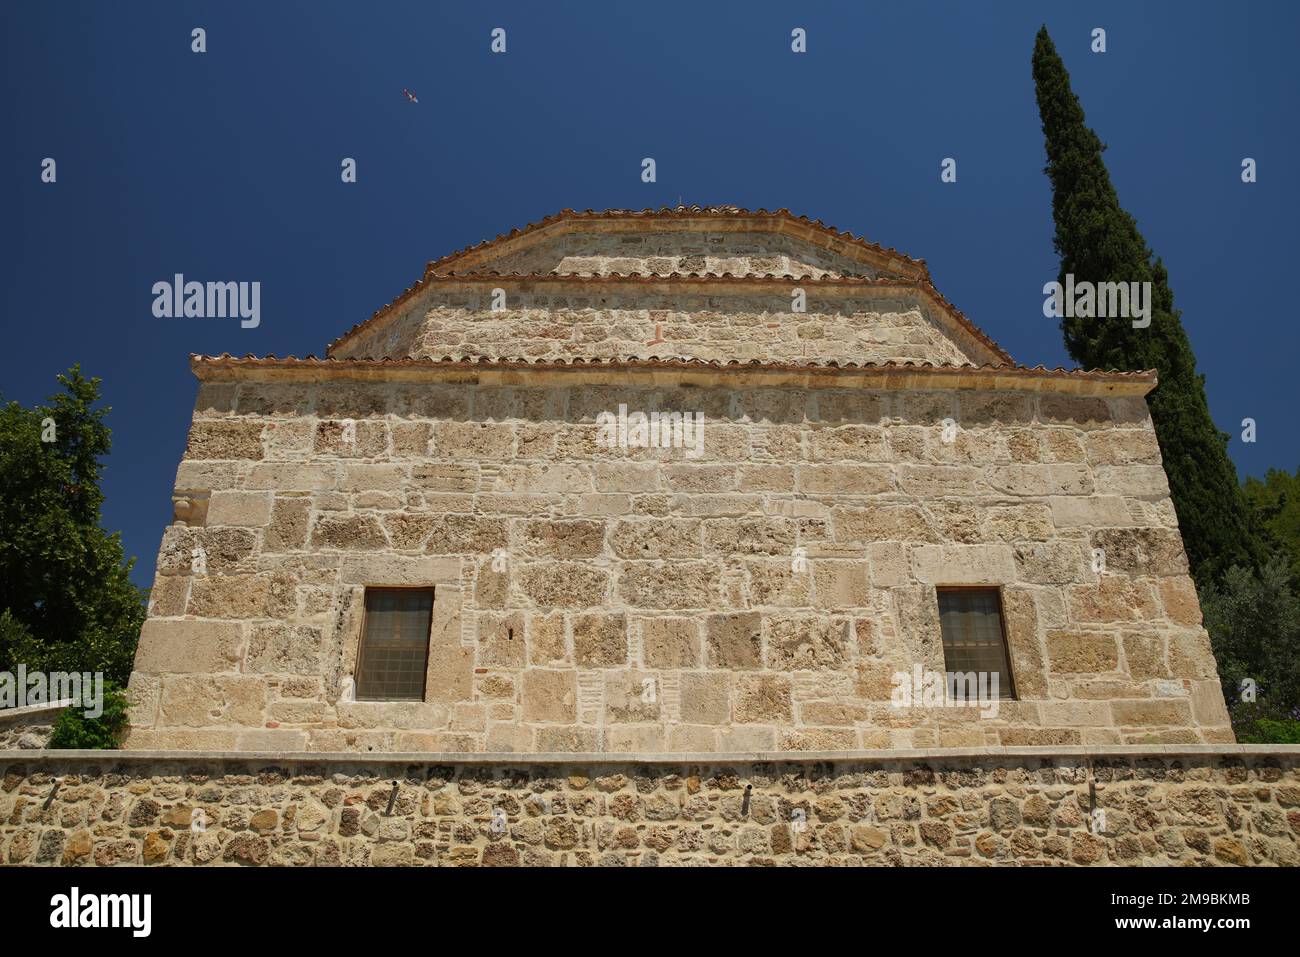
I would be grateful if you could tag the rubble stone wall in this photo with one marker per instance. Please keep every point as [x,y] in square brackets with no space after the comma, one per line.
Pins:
[546,321]
[29,729]
[1235,807]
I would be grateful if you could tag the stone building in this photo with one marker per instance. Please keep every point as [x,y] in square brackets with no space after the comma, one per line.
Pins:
[694,480]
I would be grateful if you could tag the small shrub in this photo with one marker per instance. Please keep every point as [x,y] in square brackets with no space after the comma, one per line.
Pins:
[1277,731]
[73,729]
[1257,723]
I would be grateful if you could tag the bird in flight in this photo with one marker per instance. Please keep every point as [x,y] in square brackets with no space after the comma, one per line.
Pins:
[410,96]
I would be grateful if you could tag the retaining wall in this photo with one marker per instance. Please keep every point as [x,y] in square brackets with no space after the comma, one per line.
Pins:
[1198,805]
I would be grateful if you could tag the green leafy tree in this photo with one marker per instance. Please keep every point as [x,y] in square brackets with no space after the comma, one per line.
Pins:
[66,598]
[1275,502]
[1254,623]
[1099,242]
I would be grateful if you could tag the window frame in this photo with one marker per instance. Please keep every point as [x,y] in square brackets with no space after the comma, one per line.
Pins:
[361,641]
[1002,628]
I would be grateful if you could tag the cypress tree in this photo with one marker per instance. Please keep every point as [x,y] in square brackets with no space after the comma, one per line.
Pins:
[1099,242]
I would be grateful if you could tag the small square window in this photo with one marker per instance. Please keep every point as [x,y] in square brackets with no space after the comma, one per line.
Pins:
[973,637]
[394,653]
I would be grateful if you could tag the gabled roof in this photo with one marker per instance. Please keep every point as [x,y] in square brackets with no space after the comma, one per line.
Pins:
[780,221]
[472,264]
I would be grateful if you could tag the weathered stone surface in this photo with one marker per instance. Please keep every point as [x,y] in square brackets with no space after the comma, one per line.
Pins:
[1021,811]
[632,698]
[409,530]
[172,646]
[1081,652]
[200,701]
[565,585]
[669,584]
[239,508]
[1113,598]
[600,641]
[460,534]
[892,523]
[800,544]
[501,641]
[352,532]
[762,699]
[1077,411]
[290,519]
[807,643]
[225,440]
[565,539]
[963,564]
[670,642]
[550,696]
[242,596]
[284,649]
[1142,551]
[450,675]
[705,697]
[734,641]
[1170,712]
[546,639]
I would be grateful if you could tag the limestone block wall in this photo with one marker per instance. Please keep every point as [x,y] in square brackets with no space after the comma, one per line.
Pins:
[1234,807]
[558,321]
[632,568]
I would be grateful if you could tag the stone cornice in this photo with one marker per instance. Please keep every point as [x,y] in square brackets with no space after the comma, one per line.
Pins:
[909,755]
[654,371]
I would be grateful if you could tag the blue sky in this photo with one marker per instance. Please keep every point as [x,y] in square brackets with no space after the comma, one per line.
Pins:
[225,166]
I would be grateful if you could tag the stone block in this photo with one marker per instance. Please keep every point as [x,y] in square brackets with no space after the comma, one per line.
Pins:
[762,699]
[1081,652]
[734,641]
[670,642]
[963,564]
[174,646]
[549,696]
[600,640]
[705,697]
[224,439]
[239,508]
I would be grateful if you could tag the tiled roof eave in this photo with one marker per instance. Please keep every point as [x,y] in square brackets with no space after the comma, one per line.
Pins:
[890,375]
